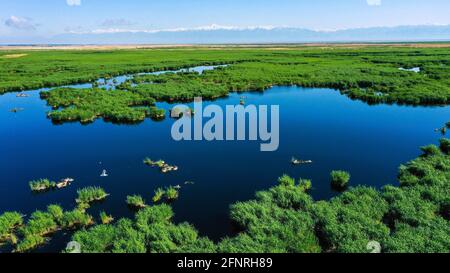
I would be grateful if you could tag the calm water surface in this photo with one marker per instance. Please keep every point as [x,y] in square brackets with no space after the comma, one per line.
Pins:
[317,124]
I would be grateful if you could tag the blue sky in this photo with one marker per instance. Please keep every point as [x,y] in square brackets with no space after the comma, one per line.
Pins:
[42,18]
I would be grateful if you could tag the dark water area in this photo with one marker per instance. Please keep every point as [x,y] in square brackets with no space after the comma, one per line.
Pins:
[315,124]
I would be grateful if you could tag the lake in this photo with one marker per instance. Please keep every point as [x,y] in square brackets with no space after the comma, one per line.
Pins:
[315,124]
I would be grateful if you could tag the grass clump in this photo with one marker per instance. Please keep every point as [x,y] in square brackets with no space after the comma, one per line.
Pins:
[91,194]
[136,201]
[42,185]
[340,179]
[172,193]
[159,194]
[105,218]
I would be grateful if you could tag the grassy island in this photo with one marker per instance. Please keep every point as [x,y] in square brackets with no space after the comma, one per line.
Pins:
[161,164]
[136,201]
[42,185]
[172,193]
[168,194]
[91,194]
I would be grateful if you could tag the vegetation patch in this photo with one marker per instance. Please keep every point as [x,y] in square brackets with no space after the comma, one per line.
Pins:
[136,201]
[158,196]
[161,164]
[41,224]
[42,185]
[91,194]
[9,221]
[105,218]
[367,74]
[340,179]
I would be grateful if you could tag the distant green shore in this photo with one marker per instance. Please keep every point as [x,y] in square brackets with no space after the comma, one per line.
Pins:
[375,74]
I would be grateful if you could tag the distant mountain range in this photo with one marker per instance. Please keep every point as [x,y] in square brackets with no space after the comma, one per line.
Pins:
[230,35]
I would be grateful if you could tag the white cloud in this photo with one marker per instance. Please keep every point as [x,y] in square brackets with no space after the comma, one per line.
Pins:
[73,2]
[374,2]
[20,23]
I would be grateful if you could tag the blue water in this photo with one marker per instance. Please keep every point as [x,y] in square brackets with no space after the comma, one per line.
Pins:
[111,84]
[317,124]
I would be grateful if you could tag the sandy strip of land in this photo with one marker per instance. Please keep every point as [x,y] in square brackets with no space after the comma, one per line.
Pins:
[86,47]
[12,56]
[219,46]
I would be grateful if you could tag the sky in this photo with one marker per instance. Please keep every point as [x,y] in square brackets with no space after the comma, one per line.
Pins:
[46,18]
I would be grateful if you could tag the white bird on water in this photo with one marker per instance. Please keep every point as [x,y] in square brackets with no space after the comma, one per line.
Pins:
[104,174]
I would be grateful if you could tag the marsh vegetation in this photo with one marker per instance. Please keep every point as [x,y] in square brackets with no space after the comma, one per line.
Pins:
[41,225]
[410,218]
[42,185]
[90,194]
[367,74]
[161,164]
[340,179]
[136,201]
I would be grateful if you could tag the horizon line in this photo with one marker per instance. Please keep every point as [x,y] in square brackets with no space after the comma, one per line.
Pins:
[215,27]
[445,43]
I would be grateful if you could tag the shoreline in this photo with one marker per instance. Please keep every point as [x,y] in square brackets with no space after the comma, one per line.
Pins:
[221,46]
